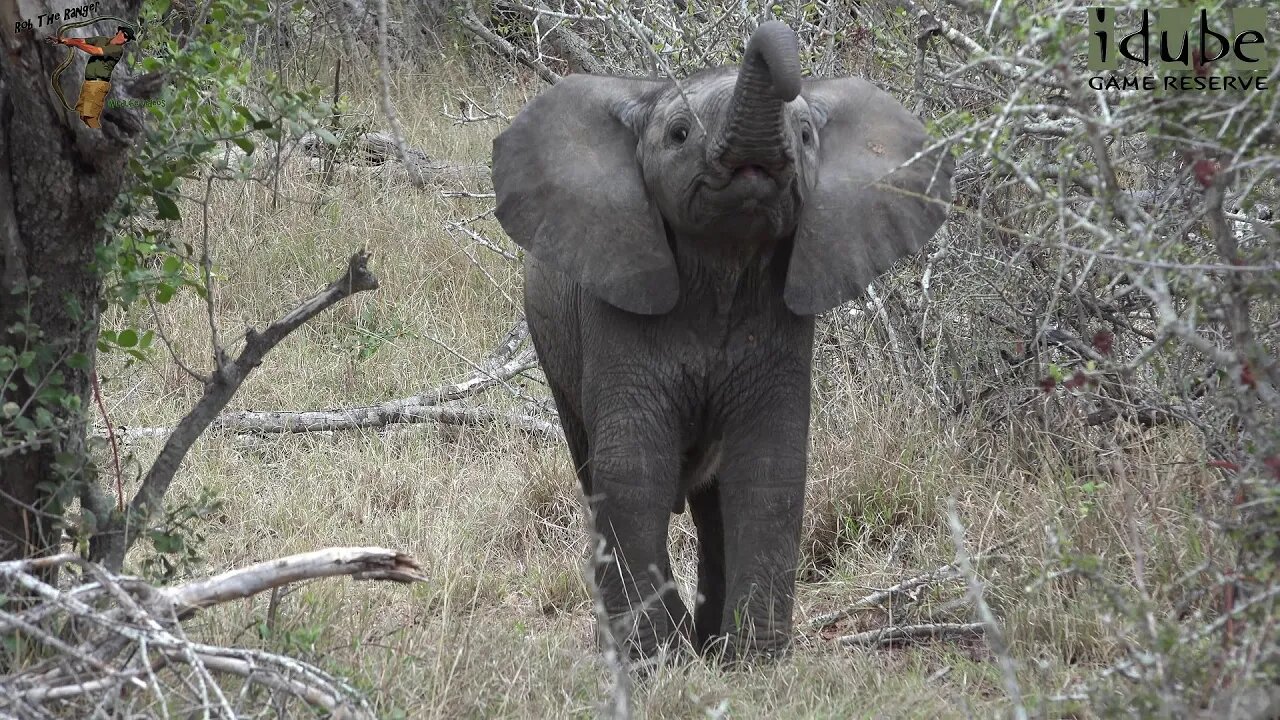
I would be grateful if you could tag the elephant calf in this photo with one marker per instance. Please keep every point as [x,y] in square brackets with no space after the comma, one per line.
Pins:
[679,242]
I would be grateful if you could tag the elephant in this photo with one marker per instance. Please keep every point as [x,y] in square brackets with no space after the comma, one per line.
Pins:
[679,239]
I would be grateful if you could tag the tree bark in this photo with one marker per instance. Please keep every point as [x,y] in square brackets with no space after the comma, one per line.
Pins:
[58,179]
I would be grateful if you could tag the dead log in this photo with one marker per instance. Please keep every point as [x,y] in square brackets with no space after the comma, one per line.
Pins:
[375,149]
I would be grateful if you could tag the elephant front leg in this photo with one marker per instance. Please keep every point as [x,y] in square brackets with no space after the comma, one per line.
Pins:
[708,614]
[762,506]
[633,489]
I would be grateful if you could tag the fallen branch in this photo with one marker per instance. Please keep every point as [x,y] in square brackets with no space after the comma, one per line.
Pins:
[435,406]
[880,597]
[361,563]
[902,633]
[950,571]
[320,421]
[377,149]
[427,407]
[115,644]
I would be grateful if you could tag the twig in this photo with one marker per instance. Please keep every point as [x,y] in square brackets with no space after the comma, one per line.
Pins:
[389,108]
[483,241]
[926,19]
[615,659]
[111,437]
[464,117]
[894,348]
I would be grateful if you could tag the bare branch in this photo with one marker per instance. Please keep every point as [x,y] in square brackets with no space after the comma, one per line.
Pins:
[114,541]
[472,24]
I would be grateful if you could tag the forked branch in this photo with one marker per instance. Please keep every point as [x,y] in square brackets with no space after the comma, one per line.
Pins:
[110,545]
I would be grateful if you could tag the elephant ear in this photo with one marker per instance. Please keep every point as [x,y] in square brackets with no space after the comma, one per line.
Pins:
[570,191]
[868,209]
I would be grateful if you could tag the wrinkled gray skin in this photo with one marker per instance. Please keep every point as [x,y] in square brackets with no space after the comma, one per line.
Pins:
[673,271]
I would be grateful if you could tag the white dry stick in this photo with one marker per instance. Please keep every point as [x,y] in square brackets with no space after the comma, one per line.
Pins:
[994,635]
[894,348]
[389,108]
[619,707]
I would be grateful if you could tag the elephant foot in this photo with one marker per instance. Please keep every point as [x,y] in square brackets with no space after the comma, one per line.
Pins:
[750,650]
[649,641]
[646,656]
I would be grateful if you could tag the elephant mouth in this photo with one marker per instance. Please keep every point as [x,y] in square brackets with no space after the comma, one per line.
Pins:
[751,170]
[755,185]
[751,179]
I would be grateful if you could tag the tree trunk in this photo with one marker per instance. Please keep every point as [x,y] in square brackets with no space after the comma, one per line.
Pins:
[58,179]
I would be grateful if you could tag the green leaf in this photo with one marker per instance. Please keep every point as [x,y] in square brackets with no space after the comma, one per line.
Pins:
[166,208]
[88,521]
[127,338]
[164,293]
[245,144]
[326,136]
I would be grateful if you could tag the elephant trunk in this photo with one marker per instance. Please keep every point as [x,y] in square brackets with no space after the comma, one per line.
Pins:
[770,77]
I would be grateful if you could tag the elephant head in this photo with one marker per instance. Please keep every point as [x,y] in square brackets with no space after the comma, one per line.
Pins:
[599,176]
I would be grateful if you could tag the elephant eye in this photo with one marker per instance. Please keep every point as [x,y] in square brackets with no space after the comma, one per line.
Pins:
[806,136]
[678,133]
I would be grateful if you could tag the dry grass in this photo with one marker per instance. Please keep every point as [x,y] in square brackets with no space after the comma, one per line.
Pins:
[503,628]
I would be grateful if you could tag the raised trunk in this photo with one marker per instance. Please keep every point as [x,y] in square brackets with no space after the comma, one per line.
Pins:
[770,77]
